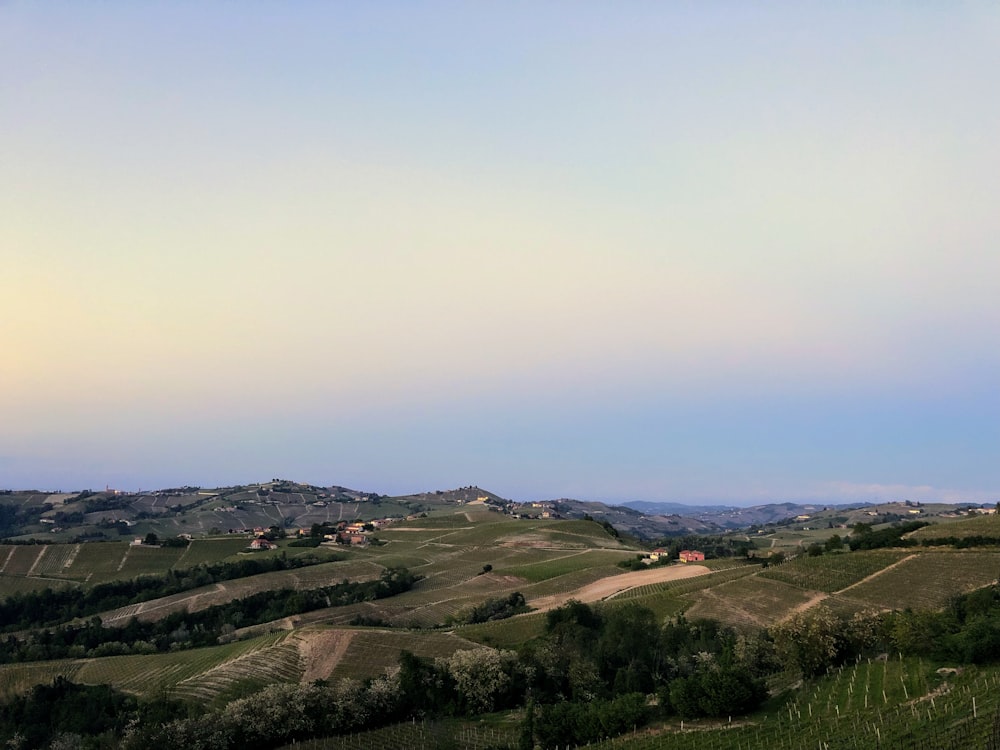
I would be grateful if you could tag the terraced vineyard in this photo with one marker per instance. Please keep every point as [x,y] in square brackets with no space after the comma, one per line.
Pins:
[831,573]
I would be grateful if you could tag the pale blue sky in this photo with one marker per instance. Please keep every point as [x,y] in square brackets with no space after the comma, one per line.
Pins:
[613,251]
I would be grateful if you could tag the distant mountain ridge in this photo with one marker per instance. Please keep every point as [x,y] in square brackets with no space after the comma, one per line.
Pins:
[110,514]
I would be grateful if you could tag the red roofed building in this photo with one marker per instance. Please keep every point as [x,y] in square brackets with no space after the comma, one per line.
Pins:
[691,555]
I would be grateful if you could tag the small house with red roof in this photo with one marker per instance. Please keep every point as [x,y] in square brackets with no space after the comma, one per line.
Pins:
[691,555]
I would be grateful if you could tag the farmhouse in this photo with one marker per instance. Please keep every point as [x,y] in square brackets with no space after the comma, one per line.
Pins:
[691,555]
[262,543]
[657,553]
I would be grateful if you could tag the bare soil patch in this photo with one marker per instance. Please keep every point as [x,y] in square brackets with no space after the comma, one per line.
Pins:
[321,651]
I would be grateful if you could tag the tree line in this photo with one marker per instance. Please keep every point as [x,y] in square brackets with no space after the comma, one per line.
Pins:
[34,609]
[193,629]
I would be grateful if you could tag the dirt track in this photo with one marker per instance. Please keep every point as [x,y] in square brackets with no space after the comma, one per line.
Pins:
[608,587]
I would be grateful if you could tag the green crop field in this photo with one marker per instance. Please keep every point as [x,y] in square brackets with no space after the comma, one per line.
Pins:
[569,582]
[833,572]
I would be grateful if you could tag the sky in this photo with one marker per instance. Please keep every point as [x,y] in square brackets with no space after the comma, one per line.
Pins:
[684,251]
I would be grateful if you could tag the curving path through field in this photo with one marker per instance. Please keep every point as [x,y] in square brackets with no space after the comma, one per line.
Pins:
[608,587]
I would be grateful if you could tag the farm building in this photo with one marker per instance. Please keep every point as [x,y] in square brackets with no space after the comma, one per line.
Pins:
[691,555]
[657,553]
[262,543]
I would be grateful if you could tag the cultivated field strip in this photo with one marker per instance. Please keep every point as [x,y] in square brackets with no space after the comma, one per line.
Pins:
[22,558]
[561,564]
[213,550]
[97,562]
[842,605]
[372,652]
[19,584]
[149,675]
[929,581]
[751,602]
[686,585]
[277,662]
[505,633]
[16,679]
[831,573]
[316,576]
[146,560]
[980,525]
[55,559]
[568,582]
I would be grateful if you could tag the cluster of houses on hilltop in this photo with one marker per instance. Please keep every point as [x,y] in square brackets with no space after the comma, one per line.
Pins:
[525,510]
[344,532]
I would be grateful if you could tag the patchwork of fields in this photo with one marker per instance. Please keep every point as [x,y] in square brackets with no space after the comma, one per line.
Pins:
[464,558]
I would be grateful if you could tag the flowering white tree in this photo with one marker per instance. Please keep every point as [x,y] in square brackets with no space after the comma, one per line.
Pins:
[481,675]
